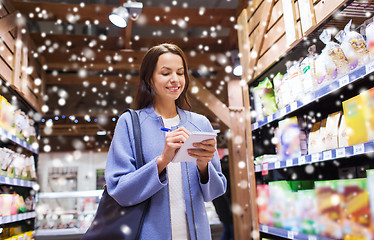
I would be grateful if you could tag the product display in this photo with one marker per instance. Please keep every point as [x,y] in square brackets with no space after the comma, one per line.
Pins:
[337,144]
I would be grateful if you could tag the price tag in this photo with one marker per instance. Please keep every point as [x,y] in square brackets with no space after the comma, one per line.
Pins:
[283,111]
[270,118]
[302,160]
[294,106]
[277,164]
[255,125]
[315,157]
[265,229]
[344,80]
[370,67]
[290,234]
[311,237]
[289,163]
[327,155]
[265,169]
[358,149]
[340,153]
[307,99]
[7,180]
[258,168]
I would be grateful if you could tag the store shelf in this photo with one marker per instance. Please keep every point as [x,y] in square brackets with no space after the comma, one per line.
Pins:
[16,182]
[76,194]
[18,141]
[326,90]
[349,151]
[289,234]
[17,217]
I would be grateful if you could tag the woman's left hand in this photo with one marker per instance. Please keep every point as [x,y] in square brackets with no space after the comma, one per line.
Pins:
[203,152]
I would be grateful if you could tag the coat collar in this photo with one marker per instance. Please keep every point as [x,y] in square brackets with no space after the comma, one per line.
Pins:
[152,113]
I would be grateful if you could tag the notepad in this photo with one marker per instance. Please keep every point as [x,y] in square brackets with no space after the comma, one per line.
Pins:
[195,137]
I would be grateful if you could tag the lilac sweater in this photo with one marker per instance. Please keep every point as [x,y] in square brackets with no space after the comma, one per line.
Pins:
[130,186]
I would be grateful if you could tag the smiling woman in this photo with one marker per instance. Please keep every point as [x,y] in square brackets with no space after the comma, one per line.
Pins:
[177,190]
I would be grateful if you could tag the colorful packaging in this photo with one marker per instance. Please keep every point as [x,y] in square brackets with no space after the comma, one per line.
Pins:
[288,139]
[368,103]
[279,193]
[263,204]
[335,52]
[329,206]
[354,47]
[307,210]
[354,113]
[266,93]
[356,214]
[308,71]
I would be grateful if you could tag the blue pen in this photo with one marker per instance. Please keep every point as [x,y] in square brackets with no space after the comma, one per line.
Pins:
[166,129]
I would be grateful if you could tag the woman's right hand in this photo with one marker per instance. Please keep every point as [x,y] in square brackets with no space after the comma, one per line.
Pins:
[173,141]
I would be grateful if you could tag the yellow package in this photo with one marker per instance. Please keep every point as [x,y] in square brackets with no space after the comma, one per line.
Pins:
[355,120]
[368,99]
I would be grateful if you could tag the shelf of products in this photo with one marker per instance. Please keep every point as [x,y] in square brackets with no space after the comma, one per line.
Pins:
[358,149]
[17,217]
[16,182]
[313,136]
[32,148]
[289,234]
[341,82]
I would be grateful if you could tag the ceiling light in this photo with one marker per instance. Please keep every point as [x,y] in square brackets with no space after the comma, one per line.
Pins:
[120,15]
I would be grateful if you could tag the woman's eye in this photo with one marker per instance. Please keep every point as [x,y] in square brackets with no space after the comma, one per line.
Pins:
[165,74]
[180,74]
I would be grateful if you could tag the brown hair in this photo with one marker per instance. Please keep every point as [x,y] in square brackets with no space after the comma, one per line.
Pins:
[146,94]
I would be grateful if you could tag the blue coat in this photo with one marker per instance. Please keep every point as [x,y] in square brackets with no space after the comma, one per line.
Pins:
[130,186]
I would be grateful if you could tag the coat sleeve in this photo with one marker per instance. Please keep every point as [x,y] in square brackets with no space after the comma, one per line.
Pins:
[216,185]
[126,184]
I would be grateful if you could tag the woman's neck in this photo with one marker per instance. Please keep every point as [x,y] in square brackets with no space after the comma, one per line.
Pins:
[165,110]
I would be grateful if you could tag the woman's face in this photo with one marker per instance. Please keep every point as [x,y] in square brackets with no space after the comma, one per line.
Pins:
[168,77]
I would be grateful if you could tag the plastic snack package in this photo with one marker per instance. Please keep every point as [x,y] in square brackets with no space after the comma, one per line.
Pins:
[354,47]
[278,82]
[308,70]
[266,93]
[369,31]
[295,80]
[326,70]
[335,52]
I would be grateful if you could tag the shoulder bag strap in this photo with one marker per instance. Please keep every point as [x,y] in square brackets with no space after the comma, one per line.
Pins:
[137,138]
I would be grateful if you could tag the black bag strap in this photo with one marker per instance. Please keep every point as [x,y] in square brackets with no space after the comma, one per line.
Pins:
[137,138]
[139,157]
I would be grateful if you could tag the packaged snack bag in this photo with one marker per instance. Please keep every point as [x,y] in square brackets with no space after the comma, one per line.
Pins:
[356,208]
[266,93]
[291,141]
[329,207]
[307,210]
[343,135]
[295,80]
[370,38]
[330,139]
[354,47]
[335,52]
[308,71]
[263,205]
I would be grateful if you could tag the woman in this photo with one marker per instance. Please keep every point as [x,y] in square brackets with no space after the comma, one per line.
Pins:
[177,190]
